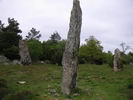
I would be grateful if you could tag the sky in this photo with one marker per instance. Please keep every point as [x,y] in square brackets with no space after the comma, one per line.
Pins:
[110,21]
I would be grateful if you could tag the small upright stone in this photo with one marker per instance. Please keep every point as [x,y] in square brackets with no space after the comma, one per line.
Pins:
[70,57]
[117,63]
[25,58]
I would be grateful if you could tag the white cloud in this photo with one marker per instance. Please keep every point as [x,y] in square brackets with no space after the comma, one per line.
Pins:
[108,20]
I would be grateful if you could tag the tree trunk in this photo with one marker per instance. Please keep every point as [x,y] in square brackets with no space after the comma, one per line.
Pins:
[70,57]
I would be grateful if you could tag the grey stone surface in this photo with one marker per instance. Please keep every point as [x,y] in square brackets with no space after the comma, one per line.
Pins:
[6,63]
[3,59]
[21,82]
[16,62]
[70,57]
[25,58]
[117,63]
[42,62]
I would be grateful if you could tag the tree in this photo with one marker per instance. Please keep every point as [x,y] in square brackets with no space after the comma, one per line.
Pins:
[127,58]
[1,26]
[13,26]
[124,47]
[12,52]
[92,51]
[9,38]
[35,49]
[53,51]
[33,35]
[108,58]
[55,36]
[130,58]
[58,54]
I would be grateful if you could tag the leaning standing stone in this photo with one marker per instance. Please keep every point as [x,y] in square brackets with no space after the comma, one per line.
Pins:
[25,58]
[70,57]
[117,63]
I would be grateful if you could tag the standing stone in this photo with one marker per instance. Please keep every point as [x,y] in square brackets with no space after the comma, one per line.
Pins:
[25,58]
[70,57]
[117,65]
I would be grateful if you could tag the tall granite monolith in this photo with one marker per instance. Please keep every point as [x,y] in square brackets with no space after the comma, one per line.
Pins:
[117,63]
[70,57]
[25,58]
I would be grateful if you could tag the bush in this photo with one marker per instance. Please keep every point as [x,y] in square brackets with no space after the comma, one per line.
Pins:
[127,58]
[12,52]
[35,49]
[91,52]
[53,51]
[81,60]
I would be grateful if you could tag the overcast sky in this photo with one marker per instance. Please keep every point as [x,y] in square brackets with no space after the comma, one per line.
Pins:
[110,21]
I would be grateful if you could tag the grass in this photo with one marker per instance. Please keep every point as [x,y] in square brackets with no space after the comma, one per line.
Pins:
[93,82]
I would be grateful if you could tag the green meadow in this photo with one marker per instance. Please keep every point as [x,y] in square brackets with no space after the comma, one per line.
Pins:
[42,82]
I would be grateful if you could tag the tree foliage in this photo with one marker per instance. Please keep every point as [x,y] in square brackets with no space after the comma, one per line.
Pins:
[108,58]
[55,37]
[35,49]
[53,49]
[33,34]
[124,47]
[91,52]
[9,38]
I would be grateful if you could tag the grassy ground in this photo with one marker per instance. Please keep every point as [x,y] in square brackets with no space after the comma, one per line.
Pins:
[93,82]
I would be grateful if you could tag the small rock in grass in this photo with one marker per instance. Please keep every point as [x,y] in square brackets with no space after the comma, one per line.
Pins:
[76,94]
[16,62]
[45,95]
[42,62]
[49,86]
[6,63]
[88,91]
[52,91]
[57,94]
[67,99]
[21,82]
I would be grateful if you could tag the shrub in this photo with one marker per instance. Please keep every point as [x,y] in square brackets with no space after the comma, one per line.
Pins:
[12,53]
[35,49]
[91,52]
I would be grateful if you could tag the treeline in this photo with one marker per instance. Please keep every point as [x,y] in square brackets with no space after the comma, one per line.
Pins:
[51,51]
